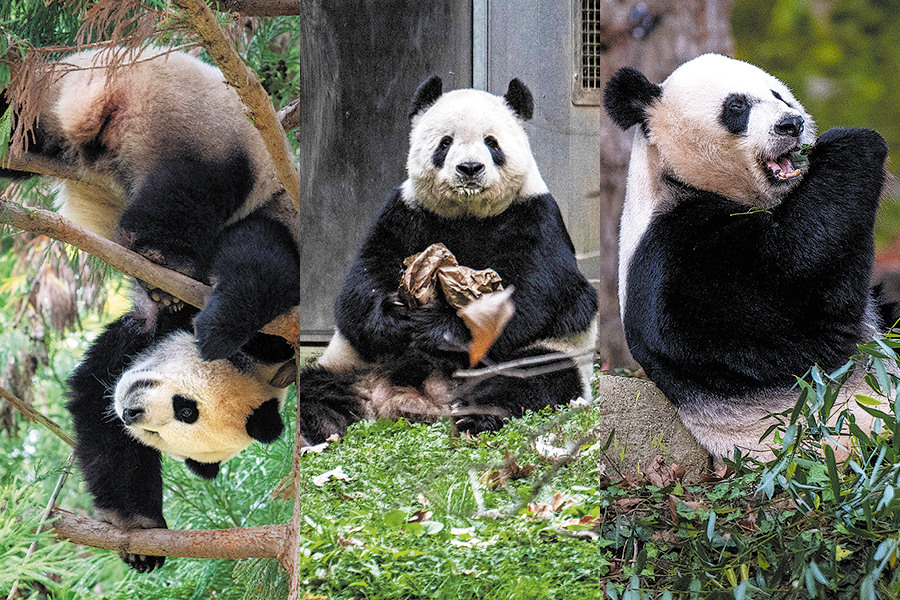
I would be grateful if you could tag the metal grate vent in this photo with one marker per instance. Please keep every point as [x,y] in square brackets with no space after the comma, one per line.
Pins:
[590,48]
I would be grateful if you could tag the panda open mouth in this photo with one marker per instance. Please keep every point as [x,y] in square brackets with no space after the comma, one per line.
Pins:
[781,168]
[469,188]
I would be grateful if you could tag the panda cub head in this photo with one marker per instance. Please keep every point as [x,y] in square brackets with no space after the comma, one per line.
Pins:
[716,124]
[201,411]
[469,154]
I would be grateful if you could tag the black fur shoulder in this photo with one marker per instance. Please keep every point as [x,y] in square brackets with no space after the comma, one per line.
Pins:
[754,298]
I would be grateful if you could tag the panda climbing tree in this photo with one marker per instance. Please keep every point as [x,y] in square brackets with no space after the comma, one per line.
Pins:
[110,145]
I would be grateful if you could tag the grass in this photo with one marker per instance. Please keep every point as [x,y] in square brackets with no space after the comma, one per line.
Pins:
[403,510]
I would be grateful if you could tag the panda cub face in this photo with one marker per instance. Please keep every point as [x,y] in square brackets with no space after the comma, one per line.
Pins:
[176,402]
[469,154]
[717,124]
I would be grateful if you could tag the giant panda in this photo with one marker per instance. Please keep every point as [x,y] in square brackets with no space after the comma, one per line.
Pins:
[169,166]
[474,186]
[142,389]
[738,269]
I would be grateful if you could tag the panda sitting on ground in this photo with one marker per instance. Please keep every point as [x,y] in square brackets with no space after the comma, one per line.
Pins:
[474,186]
[738,271]
[169,166]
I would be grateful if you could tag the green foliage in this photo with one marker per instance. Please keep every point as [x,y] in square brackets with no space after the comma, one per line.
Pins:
[273,53]
[51,23]
[18,520]
[840,58]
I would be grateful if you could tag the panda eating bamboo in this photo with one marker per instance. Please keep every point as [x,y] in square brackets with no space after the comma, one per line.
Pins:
[739,270]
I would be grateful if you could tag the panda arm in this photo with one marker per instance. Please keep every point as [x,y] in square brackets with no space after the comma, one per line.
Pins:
[841,191]
[179,206]
[122,474]
[366,310]
[552,298]
[256,271]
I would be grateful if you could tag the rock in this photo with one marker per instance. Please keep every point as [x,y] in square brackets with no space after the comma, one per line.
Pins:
[646,425]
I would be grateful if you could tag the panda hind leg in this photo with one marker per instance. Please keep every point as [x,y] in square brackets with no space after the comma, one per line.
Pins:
[177,211]
[486,405]
[256,270]
[326,403]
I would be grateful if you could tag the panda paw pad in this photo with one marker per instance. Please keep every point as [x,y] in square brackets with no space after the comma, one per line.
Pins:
[166,299]
[141,562]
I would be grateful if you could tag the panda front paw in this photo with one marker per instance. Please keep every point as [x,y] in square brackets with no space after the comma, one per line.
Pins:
[141,562]
[438,330]
[215,338]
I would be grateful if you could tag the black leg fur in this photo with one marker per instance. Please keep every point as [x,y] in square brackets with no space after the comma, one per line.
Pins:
[256,271]
[490,402]
[326,403]
[177,212]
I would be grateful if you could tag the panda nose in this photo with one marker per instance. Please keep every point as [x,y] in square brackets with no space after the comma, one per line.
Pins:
[132,415]
[792,125]
[470,169]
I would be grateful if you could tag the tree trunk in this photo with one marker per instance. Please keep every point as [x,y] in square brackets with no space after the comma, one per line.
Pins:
[672,33]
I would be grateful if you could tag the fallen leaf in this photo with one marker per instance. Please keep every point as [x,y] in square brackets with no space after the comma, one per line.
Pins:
[486,318]
[659,474]
[543,445]
[419,516]
[344,542]
[628,503]
[558,501]
[336,473]
[314,449]
[673,503]
[540,511]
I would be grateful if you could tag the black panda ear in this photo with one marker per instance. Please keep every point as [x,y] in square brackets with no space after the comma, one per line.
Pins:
[426,94]
[519,99]
[264,423]
[204,470]
[627,96]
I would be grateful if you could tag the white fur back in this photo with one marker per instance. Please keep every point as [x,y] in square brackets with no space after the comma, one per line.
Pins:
[162,103]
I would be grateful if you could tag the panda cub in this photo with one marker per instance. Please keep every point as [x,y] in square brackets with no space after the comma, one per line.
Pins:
[170,167]
[142,389]
[474,186]
[738,269]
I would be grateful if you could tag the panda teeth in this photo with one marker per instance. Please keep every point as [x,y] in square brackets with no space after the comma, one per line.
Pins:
[782,168]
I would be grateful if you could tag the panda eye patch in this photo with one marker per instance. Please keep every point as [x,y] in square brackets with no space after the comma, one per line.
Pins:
[735,113]
[440,153]
[185,409]
[493,147]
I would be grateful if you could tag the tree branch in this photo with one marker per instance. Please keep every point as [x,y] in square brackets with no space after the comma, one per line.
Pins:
[251,92]
[51,224]
[261,8]
[35,417]
[265,541]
